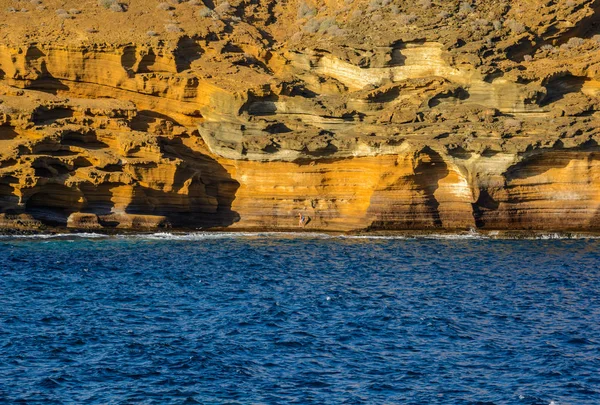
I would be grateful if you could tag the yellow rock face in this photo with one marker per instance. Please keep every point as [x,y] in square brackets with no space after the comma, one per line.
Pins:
[351,116]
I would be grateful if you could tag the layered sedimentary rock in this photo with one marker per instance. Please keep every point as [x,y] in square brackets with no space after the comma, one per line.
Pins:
[356,114]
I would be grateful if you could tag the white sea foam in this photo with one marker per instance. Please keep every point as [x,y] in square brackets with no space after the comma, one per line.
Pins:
[84,235]
[455,236]
[193,236]
[552,236]
[209,235]
[373,237]
[556,236]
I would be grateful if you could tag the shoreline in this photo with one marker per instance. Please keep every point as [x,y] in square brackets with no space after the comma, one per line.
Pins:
[317,234]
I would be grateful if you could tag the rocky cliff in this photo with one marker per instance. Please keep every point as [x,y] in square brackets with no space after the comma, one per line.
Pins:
[395,115]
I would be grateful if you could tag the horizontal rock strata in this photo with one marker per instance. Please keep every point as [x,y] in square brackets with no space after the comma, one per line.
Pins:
[355,115]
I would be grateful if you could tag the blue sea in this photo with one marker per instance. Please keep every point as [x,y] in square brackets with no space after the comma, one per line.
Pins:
[225,318]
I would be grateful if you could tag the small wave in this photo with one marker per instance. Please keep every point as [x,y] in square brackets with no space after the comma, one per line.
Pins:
[550,236]
[193,236]
[456,236]
[373,237]
[83,235]
[211,235]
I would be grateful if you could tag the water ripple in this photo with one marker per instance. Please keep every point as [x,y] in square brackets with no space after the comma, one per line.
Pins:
[282,318]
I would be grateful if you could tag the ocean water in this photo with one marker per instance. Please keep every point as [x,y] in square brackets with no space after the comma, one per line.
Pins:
[268,319]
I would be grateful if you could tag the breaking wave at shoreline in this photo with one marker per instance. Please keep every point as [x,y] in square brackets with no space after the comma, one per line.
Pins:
[211,235]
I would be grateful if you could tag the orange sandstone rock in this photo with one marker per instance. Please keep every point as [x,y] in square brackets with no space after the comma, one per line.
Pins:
[357,114]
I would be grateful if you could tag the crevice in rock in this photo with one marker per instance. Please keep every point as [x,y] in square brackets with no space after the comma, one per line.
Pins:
[98,197]
[517,52]
[453,96]
[146,63]
[48,84]
[560,86]
[396,57]
[7,133]
[88,140]
[145,118]
[537,164]
[211,191]
[8,199]
[430,169]
[53,203]
[46,116]
[129,59]
[484,204]
[186,52]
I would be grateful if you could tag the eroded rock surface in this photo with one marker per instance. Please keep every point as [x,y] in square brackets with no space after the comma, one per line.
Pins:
[357,114]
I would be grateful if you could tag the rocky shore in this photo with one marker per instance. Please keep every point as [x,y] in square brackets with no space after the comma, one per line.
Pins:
[244,115]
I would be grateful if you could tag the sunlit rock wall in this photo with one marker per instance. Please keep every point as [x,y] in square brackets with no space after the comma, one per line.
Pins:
[357,115]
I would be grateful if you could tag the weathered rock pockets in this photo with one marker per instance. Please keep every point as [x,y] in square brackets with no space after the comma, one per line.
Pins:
[423,125]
